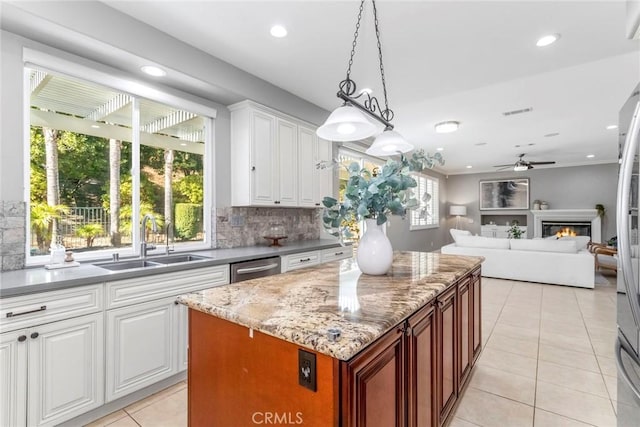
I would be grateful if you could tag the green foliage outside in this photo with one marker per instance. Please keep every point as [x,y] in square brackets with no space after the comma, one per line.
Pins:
[83,167]
[90,232]
[188,218]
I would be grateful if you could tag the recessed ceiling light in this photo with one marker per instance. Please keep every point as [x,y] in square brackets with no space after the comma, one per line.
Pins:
[547,40]
[440,149]
[590,156]
[278,31]
[531,144]
[152,70]
[95,126]
[184,144]
[517,145]
[447,127]
[469,166]
[612,127]
[550,135]
[479,144]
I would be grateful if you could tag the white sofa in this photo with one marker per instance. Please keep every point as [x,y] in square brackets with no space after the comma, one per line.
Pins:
[558,262]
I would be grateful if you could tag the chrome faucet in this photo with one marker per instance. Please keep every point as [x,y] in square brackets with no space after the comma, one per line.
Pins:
[168,237]
[143,232]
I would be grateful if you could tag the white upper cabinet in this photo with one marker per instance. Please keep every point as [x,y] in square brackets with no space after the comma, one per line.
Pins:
[274,157]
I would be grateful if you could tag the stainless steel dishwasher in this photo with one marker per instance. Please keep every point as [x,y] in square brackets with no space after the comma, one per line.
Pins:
[246,270]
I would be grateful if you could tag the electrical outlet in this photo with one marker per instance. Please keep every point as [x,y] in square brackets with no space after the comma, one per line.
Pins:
[236,220]
[307,369]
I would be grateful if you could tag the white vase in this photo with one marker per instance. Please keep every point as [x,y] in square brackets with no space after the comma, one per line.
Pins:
[375,254]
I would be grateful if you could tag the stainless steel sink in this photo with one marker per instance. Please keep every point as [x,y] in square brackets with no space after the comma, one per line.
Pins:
[178,258]
[160,261]
[128,265]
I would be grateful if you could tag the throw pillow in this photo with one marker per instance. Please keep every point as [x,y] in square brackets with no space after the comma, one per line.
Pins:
[456,233]
[581,241]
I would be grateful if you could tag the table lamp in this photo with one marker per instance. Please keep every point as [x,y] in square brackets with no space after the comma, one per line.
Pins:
[458,211]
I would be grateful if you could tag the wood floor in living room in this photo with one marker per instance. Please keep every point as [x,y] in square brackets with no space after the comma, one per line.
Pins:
[547,361]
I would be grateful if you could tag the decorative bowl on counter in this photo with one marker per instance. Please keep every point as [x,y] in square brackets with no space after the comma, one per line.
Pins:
[275,233]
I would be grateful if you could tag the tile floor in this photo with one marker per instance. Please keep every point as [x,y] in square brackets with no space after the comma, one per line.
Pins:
[547,361]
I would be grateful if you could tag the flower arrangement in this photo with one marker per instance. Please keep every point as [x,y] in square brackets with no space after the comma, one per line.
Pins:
[515,232]
[376,196]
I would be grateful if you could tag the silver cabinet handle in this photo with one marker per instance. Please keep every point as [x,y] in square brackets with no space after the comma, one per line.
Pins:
[624,186]
[339,253]
[256,269]
[305,260]
[12,314]
[623,371]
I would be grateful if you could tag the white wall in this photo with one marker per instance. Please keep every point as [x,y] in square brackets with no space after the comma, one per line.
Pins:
[578,187]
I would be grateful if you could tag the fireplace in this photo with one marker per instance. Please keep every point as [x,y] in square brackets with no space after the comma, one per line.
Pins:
[587,220]
[566,228]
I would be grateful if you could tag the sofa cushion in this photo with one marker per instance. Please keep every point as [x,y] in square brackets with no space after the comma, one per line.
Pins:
[482,242]
[581,241]
[543,245]
[455,233]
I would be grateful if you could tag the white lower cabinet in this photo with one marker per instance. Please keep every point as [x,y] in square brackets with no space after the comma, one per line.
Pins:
[143,346]
[52,372]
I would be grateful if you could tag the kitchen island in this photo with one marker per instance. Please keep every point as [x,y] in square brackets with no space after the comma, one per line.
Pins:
[330,346]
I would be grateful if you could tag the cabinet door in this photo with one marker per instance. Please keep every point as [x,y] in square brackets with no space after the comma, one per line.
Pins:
[286,172]
[422,369]
[182,311]
[66,369]
[307,145]
[447,352]
[477,313]
[374,391]
[13,372]
[324,177]
[264,158]
[142,346]
[465,328]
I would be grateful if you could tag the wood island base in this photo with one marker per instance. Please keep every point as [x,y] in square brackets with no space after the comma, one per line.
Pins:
[410,376]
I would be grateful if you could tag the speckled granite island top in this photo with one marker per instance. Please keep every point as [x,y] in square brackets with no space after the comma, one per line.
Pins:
[300,306]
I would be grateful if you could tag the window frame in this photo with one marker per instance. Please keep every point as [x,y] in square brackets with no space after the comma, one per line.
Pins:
[129,85]
[435,207]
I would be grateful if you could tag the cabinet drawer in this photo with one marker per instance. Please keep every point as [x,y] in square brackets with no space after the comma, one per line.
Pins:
[133,291]
[300,260]
[335,254]
[29,310]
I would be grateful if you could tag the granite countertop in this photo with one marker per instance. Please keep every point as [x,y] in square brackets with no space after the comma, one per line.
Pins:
[38,279]
[300,306]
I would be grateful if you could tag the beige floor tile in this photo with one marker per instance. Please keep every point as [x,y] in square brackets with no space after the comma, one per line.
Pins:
[134,407]
[549,419]
[523,346]
[519,321]
[604,347]
[486,409]
[562,356]
[573,378]
[602,333]
[574,330]
[458,422]
[584,407]
[566,341]
[508,362]
[612,386]
[516,332]
[607,365]
[505,384]
[170,411]
[109,419]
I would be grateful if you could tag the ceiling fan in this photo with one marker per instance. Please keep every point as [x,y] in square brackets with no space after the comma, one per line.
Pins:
[522,165]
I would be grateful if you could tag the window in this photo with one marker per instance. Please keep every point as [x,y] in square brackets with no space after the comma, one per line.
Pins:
[100,159]
[426,215]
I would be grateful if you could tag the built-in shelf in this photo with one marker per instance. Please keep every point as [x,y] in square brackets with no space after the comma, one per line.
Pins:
[506,219]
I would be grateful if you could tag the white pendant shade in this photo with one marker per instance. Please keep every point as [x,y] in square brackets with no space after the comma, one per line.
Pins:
[389,143]
[346,123]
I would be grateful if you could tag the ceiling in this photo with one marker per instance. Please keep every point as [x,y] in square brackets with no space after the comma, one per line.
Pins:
[450,60]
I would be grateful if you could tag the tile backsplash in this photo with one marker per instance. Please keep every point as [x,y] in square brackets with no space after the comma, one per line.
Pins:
[240,226]
[12,235]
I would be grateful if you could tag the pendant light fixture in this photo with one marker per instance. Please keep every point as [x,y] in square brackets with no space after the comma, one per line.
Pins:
[351,121]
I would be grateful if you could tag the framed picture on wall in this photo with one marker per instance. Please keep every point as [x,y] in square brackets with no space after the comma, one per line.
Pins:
[504,194]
